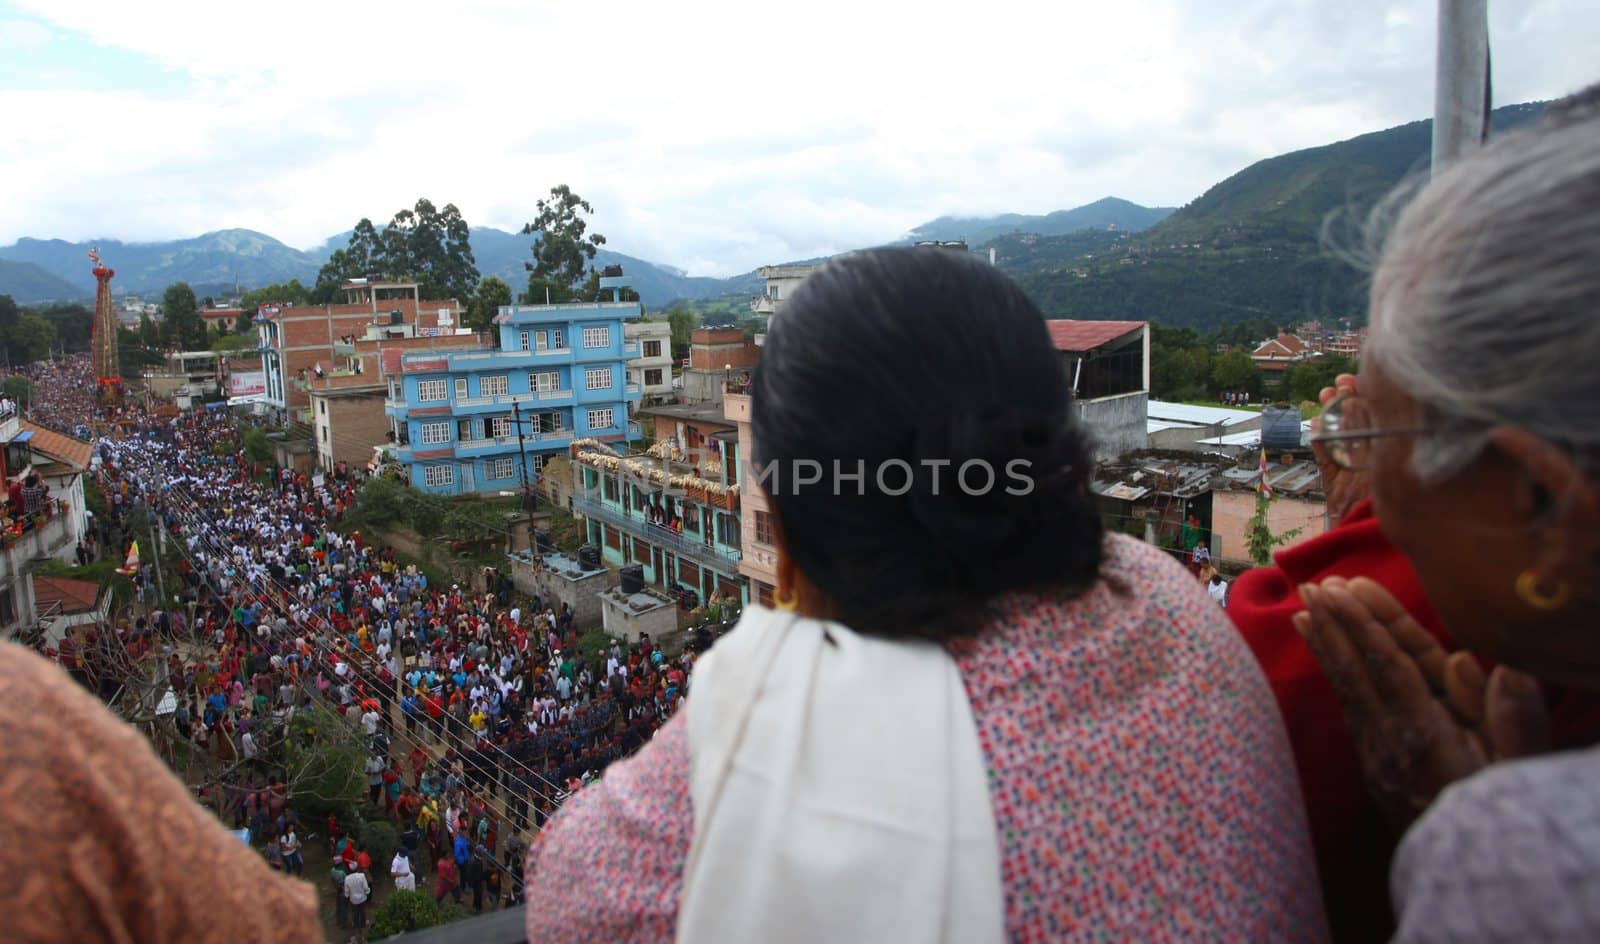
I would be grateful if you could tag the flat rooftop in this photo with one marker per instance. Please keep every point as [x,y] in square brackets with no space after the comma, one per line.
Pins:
[560,565]
[697,412]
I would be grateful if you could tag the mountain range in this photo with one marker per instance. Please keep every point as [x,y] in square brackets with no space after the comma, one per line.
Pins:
[1262,243]
[34,270]
[1109,213]
[1250,246]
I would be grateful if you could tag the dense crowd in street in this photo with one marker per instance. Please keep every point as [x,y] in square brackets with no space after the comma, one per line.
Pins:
[479,712]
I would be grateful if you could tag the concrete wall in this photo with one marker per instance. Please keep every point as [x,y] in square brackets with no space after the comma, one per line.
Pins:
[705,386]
[716,348]
[1117,423]
[1232,510]
[661,333]
[620,618]
[758,562]
[347,427]
[582,593]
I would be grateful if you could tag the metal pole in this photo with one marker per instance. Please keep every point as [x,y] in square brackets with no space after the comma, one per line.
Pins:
[522,456]
[1461,80]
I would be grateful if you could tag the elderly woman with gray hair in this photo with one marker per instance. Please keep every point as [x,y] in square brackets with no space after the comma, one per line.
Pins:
[1476,418]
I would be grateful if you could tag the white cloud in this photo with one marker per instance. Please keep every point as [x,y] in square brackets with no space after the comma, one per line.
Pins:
[717,135]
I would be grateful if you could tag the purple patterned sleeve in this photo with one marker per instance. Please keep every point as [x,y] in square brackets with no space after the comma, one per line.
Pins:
[609,866]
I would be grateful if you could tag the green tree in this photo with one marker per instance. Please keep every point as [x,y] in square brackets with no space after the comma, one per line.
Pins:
[30,339]
[325,758]
[180,317]
[73,323]
[1306,380]
[424,243]
[149,335]
[359,259]
[9,312]
[563,250]
[256,446]
[1235,371]
[18,388]
[542,291]
[682,321]
[486,301]
[279,293]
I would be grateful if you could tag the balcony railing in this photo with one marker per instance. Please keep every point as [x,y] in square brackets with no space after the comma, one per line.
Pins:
[630,351]
[508,399]
[688,545]
[631,389]
[42,532]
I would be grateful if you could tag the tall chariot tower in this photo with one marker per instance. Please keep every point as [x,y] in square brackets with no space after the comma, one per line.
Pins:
[103,344]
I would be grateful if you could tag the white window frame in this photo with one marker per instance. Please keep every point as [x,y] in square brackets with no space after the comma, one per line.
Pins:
[596,336]
[502,468]
[439,474]
[461,388]
[597,378]
[432,434]
[493,385]
[500,426]
[544,381]
[550,339]
[525,340]
[537,464]
[430,390]
[609,414]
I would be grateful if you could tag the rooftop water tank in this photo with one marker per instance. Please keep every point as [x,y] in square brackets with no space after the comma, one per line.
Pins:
[632,578]
[1280,427]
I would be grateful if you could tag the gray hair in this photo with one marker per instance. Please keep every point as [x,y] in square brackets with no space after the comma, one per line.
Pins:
[1486,301]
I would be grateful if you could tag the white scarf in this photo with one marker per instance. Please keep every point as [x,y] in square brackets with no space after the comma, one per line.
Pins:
[840,792]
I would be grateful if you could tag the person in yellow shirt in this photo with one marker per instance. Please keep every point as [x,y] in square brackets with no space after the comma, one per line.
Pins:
[478,719]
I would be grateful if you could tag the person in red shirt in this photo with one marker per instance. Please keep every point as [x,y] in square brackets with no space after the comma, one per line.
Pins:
[1352,839]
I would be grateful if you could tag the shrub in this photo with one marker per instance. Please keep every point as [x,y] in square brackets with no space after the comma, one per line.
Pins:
[593,644]
[380,841]
[409,911]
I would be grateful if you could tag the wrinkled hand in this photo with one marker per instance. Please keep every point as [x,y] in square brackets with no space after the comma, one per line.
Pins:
[1342,488]
[1421,718]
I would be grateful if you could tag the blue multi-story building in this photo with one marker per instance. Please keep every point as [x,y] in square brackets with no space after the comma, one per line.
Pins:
[481,420]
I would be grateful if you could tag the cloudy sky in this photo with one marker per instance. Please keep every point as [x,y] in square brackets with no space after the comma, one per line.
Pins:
[712,136]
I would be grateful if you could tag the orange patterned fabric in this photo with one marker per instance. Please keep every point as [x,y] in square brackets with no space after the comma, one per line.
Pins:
[100,842]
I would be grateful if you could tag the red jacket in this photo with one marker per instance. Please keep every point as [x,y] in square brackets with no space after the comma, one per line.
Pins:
[1352,840]
[1354,843]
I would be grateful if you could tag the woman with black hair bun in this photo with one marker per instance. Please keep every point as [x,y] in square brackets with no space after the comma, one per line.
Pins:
[972,716]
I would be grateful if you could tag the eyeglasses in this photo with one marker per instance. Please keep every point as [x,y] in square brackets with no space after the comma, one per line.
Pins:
[1345,430]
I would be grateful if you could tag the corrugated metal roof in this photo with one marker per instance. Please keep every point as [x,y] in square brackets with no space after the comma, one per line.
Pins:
[1088,335]
[1120,491]
[1198,415]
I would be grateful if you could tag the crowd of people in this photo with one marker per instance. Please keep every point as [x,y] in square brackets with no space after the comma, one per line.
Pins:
[479,711]
[974,718]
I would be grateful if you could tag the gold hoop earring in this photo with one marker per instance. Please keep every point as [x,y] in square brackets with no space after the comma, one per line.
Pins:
[1529,591]
[785,599]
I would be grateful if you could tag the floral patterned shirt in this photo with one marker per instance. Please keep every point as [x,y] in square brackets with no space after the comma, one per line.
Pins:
[1142,783]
